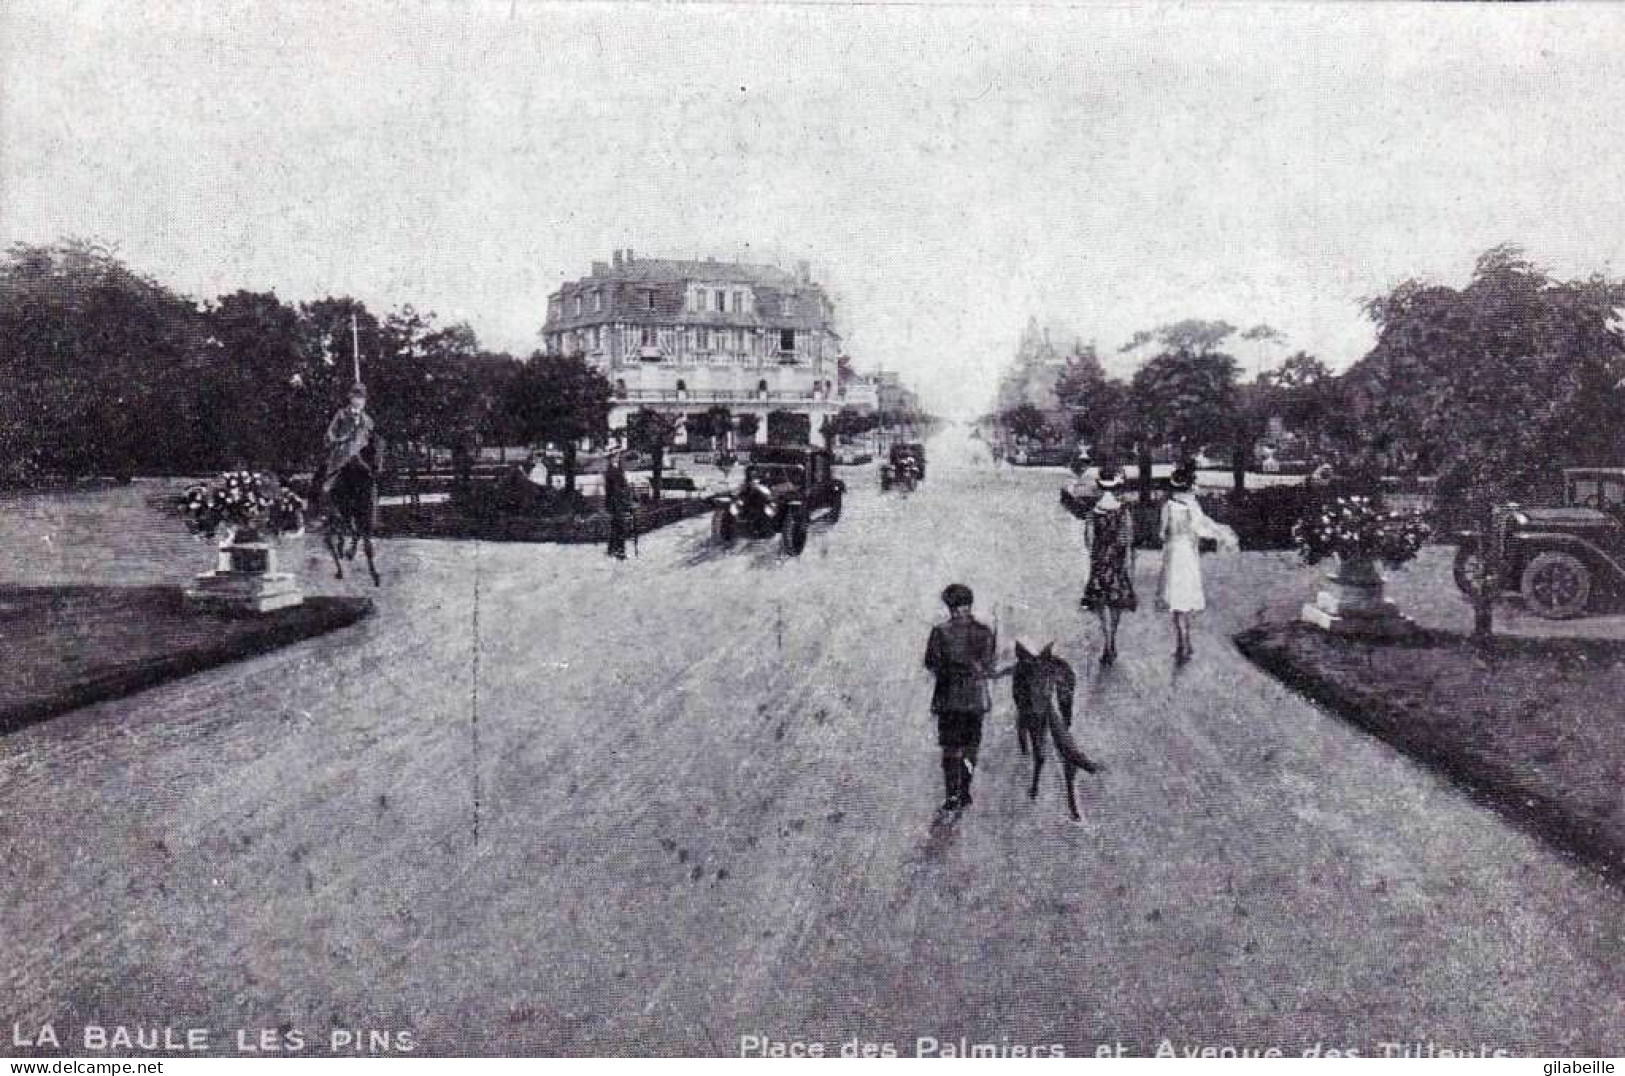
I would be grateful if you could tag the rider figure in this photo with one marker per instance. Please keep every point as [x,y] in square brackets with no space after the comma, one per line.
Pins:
[347,435]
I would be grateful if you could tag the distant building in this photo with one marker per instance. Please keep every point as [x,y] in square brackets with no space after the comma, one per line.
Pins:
[685,337]
[892,396]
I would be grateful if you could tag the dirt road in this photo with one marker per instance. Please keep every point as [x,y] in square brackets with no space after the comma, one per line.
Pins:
[547,802]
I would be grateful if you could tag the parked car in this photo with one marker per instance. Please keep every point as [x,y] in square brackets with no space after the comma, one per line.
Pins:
[852,456]
[782,489]
[891,470]
[1561,559]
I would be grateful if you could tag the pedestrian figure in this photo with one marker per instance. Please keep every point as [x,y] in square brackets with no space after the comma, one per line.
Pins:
[1184,525]
[617,505]
[347,434]
[1109,536]
[960,652]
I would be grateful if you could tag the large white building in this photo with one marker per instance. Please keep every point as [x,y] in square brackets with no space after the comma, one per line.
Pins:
[687,337]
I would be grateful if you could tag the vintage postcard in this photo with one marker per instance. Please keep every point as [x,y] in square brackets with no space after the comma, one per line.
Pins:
[957,530]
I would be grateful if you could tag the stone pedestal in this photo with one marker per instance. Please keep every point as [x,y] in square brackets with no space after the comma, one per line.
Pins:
[1351,602]
[245,581]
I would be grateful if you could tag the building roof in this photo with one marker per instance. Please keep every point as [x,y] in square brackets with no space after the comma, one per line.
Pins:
[780,299]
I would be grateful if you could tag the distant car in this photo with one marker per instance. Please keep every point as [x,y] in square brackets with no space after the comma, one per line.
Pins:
[852,456]
[892,470]
[783,487]
[1559,559]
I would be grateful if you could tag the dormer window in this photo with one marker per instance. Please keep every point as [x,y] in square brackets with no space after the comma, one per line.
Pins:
[597,301]
[649,300]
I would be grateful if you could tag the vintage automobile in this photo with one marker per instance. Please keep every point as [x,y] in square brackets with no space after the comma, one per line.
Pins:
[1561,560]
[852,456]
[783,487]
[891,470]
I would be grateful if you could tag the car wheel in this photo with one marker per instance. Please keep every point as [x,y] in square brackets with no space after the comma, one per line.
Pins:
[723,528]
[1556,586]
[794,534]
[1468,569]
[835,499]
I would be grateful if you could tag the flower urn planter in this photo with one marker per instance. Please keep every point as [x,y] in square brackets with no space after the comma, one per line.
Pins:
[1351,602]
[245,580]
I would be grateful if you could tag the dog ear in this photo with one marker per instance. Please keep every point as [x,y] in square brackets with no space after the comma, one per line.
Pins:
[1048,651]
[1022,652]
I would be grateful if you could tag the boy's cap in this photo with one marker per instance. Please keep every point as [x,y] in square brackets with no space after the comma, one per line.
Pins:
[957,595]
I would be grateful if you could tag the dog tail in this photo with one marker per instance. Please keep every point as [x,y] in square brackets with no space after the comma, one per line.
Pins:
[1060,718]
[1068,747]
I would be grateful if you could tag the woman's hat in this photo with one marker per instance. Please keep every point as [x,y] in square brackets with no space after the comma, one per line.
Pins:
[1183,478]
[1109,478]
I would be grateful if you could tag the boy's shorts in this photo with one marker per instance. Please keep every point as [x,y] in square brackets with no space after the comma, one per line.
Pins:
[960,731]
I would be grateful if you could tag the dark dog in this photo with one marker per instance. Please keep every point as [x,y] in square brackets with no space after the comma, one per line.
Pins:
[1043,686]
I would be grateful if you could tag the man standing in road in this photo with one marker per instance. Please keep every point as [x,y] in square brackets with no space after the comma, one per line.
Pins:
[960,652]
[617,504]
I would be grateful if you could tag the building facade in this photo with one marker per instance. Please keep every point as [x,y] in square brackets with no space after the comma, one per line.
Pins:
[689,337]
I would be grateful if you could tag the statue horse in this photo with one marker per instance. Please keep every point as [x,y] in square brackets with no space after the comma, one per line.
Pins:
[352,507]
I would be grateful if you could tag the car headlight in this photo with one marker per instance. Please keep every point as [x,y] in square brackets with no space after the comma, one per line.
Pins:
[769,511]
[733,508]
[1520,519]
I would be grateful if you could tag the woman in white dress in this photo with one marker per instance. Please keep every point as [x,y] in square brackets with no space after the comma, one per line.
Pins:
[1184,525]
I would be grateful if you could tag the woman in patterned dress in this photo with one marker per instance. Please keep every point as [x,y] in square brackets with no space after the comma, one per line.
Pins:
[1109,535]
[1184,525]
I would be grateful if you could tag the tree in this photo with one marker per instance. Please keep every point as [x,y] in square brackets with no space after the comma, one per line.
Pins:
[559,400]
[1093,402]
[1024,421]
[251,411]
[103,362]
[651,431]
[1499,385]
[719,422]
[1184,393]
[1304,393]
[1186,398]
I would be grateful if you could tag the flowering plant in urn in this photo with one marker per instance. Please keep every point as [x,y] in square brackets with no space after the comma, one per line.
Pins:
[245,504]
[1358,529]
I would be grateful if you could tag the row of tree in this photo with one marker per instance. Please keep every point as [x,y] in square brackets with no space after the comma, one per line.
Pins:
[1492,387]
[110,372]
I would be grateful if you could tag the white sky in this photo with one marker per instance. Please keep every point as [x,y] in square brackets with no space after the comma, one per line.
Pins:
[949,171]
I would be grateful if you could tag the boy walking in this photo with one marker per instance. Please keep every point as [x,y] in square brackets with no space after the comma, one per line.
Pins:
[960,652]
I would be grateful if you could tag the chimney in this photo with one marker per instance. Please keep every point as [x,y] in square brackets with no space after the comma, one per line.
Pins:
[628,255]
[617,257]
[803,272]
[600,269]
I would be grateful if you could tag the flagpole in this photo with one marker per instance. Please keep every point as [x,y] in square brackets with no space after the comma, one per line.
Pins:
[355,347]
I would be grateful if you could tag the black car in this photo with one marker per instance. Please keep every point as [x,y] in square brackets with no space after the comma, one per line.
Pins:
[891,472]
[783,487]
[1559,559]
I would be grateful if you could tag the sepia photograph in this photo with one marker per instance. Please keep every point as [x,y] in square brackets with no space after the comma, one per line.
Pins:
[536,528]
